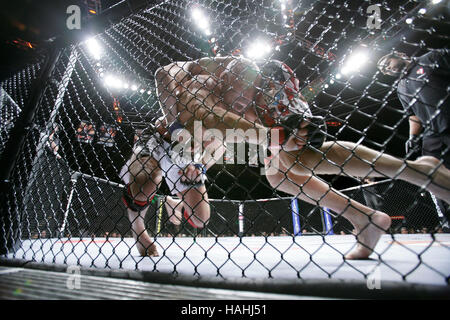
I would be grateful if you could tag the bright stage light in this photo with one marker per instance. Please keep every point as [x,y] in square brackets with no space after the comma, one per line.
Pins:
[409,21]
[197,14]
[423,11]
[113,82]
[134,87]
[354,62]
[94,48]
[258,50]
[435,1]
[201,20]
[203,24]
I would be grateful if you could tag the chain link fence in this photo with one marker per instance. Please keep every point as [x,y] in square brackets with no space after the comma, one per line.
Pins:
[102,159]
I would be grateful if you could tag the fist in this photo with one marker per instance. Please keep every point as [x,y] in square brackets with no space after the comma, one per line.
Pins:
[300,131]
[192,174]
[297,138]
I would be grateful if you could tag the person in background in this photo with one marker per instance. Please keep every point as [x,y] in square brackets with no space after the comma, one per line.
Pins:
[423,90]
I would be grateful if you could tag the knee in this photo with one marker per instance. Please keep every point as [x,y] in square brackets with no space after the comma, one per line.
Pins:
[143,181]
[144,171]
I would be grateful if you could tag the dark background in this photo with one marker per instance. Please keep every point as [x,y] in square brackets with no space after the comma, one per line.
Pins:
[34,22]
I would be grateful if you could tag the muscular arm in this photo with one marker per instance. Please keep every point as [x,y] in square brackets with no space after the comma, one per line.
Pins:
[217,117]
[171,79]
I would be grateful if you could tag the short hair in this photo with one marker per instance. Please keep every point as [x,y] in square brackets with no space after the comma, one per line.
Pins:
[381,64]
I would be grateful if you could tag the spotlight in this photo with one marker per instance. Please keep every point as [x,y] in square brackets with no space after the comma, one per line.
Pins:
[338,76]
[258,50]
[142,91]
[201,20]
[197,14]
[94,48]
[435,1]
[134,87]
[112,81]
[409,21]
[354,62]
[203,24]
[423,11]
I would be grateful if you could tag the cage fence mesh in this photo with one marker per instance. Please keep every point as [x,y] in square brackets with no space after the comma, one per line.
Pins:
[68,181]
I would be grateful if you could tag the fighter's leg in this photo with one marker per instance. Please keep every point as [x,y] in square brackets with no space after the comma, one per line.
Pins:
[174,208]
[196,208]
[369,224]
[342,157]
[145,177]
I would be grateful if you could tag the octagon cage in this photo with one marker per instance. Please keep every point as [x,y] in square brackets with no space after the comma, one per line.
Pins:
[84,122]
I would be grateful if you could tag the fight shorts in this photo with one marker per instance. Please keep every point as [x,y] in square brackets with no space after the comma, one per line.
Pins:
[170,159]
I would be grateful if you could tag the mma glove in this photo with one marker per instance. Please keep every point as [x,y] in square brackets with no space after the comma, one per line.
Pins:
[316,129]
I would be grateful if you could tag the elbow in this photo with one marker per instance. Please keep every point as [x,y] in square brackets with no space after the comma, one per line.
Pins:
[160,74]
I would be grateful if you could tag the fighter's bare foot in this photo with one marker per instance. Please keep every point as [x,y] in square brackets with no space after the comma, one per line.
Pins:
[368,236]
[440,184]
[147,250]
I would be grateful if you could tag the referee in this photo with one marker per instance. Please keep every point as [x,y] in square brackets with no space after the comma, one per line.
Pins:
[423,91]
